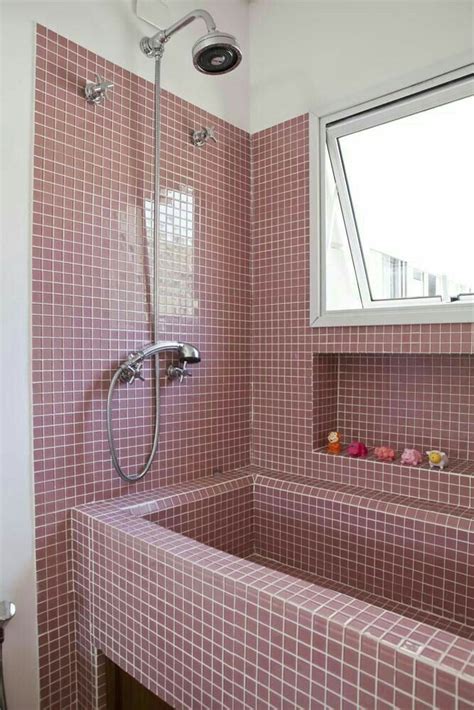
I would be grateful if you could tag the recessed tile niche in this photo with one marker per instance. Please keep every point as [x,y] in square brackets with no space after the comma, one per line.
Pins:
[420,401]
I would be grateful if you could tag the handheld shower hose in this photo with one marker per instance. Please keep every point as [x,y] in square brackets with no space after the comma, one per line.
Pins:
[129,371]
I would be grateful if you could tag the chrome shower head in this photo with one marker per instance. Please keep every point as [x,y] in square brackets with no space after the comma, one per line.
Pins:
[216,53]
[185,351]
[189,353]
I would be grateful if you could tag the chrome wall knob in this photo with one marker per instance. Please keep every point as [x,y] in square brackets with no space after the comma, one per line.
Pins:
[178,373]
[131,370]
[96,92]
[200,137]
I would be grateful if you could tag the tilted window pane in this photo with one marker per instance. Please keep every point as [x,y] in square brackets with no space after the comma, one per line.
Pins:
[341,284]
[410,183]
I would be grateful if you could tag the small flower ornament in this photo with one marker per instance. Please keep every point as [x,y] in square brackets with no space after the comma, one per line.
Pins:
[411,457]
[357,449]
[384,453]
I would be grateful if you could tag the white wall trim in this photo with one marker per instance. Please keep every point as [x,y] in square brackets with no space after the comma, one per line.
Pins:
[18,578]
[316,210]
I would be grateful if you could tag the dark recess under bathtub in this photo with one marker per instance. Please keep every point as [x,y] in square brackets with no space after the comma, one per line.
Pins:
[126,693]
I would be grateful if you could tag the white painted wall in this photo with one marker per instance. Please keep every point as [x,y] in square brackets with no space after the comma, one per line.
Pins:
[17,576]
[112,30]
[324,55]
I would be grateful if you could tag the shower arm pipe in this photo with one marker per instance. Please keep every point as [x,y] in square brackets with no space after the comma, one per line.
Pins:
[163,36]
[156,273]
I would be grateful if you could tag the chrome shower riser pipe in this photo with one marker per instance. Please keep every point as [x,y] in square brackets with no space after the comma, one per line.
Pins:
[156,201]
[129,478]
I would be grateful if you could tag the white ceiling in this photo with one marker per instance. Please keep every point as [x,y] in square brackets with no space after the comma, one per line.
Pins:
[315,55]
[319,55]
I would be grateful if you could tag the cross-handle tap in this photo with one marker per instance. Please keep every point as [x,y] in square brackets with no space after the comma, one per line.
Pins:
[131,369]
[178,373]
[96,92]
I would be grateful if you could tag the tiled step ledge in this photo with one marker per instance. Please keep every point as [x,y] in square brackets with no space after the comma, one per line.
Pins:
[454,485]
[436,513]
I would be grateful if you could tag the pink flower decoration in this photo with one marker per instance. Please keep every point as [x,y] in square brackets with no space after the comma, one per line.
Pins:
[411,457]
[357,449]
[384,453]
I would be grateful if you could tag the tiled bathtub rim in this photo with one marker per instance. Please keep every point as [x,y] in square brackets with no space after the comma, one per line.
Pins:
[205,488]
[457,517]
[224,567]
[171,548]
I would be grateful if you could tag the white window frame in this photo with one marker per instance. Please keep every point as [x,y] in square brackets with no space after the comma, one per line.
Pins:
[326,130]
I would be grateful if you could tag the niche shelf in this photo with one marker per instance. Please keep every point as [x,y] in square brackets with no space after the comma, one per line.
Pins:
[398,400]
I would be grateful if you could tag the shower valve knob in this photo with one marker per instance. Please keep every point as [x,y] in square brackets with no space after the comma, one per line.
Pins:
[136,376]
[131,370]
[95,93]
[200,137]
[210,134]
[178,373]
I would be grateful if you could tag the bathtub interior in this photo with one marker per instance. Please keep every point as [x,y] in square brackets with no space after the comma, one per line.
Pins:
[391,561]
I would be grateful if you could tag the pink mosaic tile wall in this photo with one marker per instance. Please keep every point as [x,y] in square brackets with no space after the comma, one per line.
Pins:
[224,521]
[341,533]
[337,533]
[287,414]
[92,281]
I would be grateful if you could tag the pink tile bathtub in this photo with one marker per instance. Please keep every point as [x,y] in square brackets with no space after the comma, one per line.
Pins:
[259,590]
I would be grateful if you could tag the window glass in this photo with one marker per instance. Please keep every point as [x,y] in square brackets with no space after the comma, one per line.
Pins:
[410,183]
[343,292]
